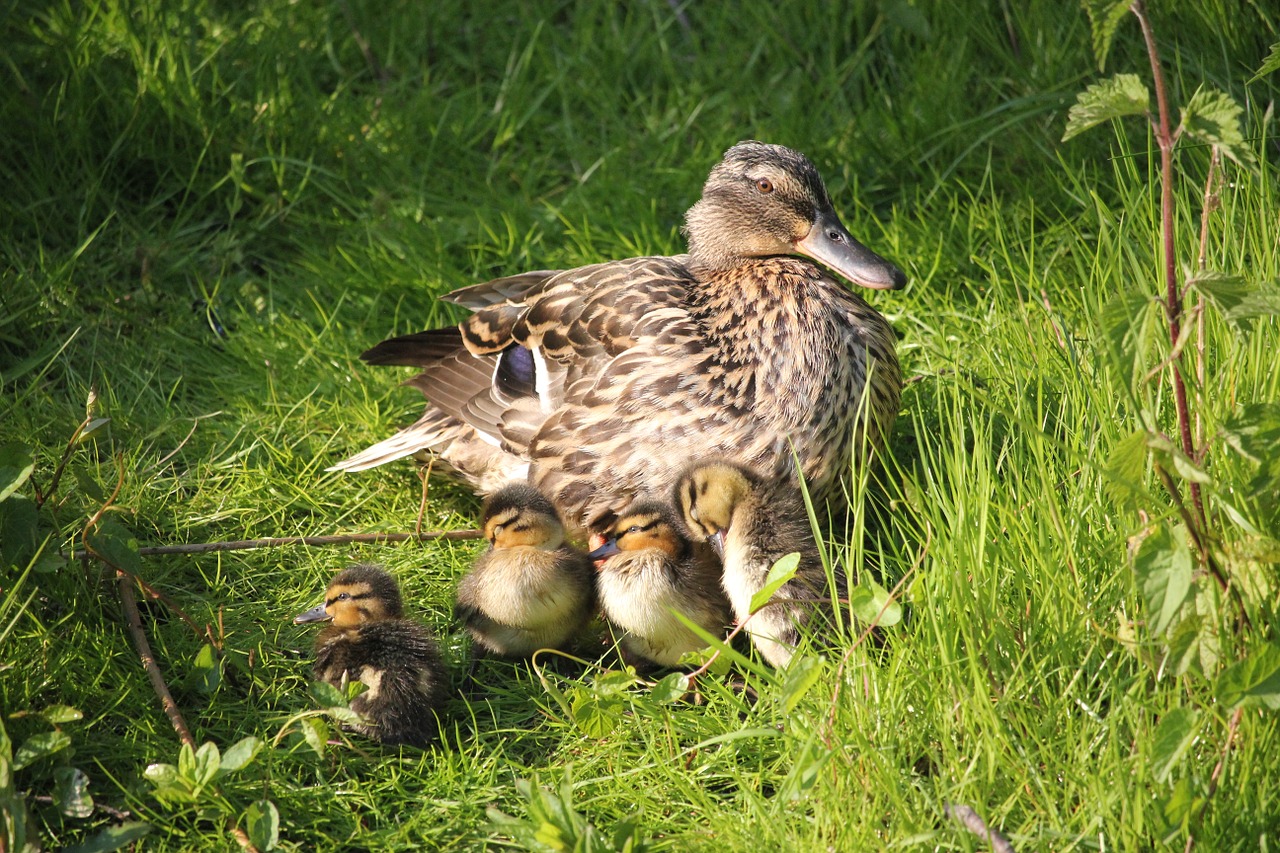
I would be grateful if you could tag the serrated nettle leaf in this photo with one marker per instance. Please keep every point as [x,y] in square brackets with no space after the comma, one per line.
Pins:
[58,714]
[113,838]
[613,682]
[1213,117]
[1173,737]
[1269,65]
[594,714]
[329,696]
[1253,681]
[345,716]
[116,545]
[315,732]
[1254,431]
[801,675]
[1126,467]
[1126,323]
[240,754]
[262,823]
[1174,461]
[1116,97]
[71,792]
[1104,18]
[783,570]
[40,746]
[1163,568]
[1224,290]
[16,465]
[671,688]
[1264,302]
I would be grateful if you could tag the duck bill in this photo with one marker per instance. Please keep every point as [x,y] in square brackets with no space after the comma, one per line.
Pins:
[605,551]
[830,243]
[315,614]
[717,543]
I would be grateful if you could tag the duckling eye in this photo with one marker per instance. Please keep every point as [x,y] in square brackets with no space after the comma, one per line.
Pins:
[635,528]
[764,185]
[344,596]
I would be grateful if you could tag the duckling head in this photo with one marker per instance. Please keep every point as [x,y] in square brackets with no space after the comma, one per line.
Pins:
[763,200]
[708,494]
[358,595]
[519,515]
[644,527]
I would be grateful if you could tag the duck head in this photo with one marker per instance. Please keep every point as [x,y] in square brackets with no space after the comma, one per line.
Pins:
[763,200]
[519,515]
[708,495]
[358,595]
[643,527]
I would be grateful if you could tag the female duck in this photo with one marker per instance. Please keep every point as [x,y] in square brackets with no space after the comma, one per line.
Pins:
[370,641]
[578,379]
[529,590]
[751,523]
[649,572]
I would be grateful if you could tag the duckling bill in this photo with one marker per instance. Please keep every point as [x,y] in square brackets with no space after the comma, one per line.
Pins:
[369,640]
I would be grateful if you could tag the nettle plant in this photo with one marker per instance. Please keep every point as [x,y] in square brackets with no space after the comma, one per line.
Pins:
[1205,558]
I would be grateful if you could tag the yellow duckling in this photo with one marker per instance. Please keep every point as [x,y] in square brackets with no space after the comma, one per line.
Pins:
[752,523]
[370,641]
[529,590]
[649,572]
[576,380]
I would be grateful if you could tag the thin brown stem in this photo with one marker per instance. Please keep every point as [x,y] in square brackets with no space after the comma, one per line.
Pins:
[134,621]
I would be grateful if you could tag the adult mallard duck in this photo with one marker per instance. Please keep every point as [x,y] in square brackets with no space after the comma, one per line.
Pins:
[370,641]
[648,572]
[530,590]
[579,379]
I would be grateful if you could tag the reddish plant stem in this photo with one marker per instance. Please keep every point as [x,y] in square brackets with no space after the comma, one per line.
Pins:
[1166,139]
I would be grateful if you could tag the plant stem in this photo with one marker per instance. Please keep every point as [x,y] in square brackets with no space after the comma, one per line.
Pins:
[1166,138]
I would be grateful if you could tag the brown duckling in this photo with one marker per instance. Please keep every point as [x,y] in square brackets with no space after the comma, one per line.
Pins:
[530,590]
[370,641]
[751,523]
[578,379]
[648,572]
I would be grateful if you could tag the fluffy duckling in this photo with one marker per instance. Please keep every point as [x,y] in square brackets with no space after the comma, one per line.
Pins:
[529,590]
[649,572]
[370,641]
[751,525]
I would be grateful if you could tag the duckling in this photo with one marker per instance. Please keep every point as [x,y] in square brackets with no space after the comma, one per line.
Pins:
[751,523]
[529,590]
[370,641]
[648,572]
[577,379]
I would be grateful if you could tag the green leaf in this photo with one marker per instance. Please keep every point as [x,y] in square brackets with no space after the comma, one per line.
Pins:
[1173,737]
[801,675]
[1262,303]
[112,838]
[1125,468]
[783,570]
[1104,18]
[40,746]
[327,695]
[1213,117]
[90,428]
[162,775]
[316,733]
[805,771]
[19,530]
[71,792]
[671,688]
[1269,65]
[1254,431]
[240,755]
[206,670]
[207,762]
[1174,461]
[16,465]
[595,714]
[1163,568]
[58,714]
[1224,290]
[870,602]
[1254,680]
[614,682]
[117,545]
[92,489]
[1184,645]
[1116,97]
[262,823]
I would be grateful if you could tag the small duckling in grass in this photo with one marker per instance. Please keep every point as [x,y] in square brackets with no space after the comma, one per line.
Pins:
[370,641]
[649,571]
[751,524]
[529,590]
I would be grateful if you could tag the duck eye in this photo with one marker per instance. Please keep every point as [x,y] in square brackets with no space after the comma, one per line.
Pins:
[343,596]
[764,185]
[635,528]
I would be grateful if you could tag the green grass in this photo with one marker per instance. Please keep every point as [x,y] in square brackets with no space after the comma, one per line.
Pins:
[194,165]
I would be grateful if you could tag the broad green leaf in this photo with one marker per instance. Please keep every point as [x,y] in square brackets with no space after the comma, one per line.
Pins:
[801,675]
[1184,645]
[1180,807]
[206,670]
[316,733]
[671,688]
[613,682]
[1163,568]
[71,792]
[345,716]
[1174,461]
[595,714]
[207,762]
[1125,468]
[1254,680]
[187,762]
[1126,324]
[870,602]
[1225,291]
[783,570]
[112,838]
[1254,431]
[92,427]
[262,823]
[40,746]
[19,530]
[1104,18]
[241,753]
[327,695]
[1264,302]
[116,545]
[1173,737]
[1213,117]
[162,775]
[58,714]
[1116,97]
[16,465]
[1269,65]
